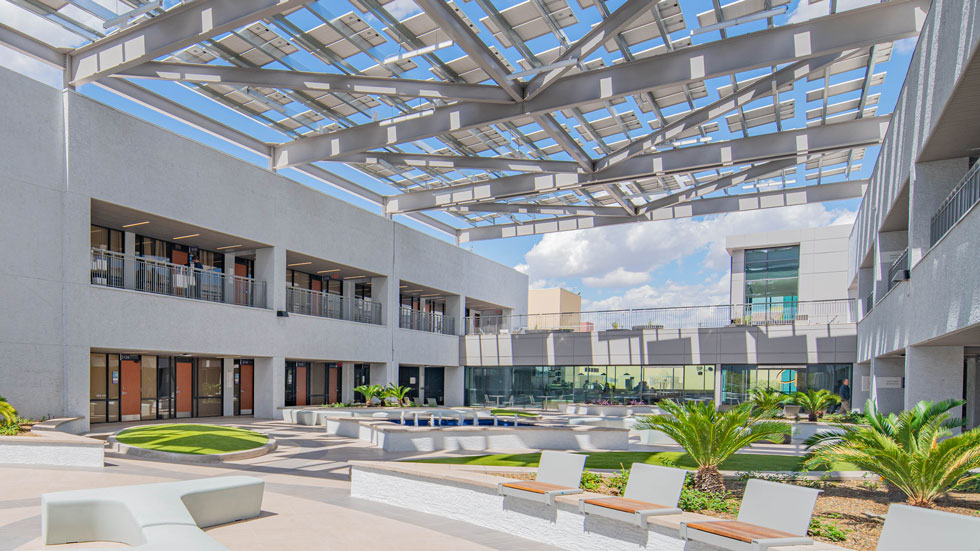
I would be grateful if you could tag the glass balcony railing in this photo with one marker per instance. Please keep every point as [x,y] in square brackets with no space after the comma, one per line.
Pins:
[326,305]
[109,269]
[686,317]
[957,203]
[432,322]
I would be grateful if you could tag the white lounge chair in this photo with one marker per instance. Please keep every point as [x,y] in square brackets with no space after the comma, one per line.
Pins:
[167,515]
[559,474]
[910,528]
[431,402]
[651,491]
[771,514]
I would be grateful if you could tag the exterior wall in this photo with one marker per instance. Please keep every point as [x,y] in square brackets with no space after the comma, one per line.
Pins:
[54,315]
[553,301]
[823,260]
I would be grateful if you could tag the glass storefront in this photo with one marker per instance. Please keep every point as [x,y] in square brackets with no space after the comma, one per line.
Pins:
[583,384]
[738,380]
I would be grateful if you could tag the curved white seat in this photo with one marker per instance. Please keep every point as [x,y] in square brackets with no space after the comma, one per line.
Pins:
[165,515]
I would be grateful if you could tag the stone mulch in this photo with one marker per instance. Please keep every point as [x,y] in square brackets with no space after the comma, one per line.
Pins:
[856,507]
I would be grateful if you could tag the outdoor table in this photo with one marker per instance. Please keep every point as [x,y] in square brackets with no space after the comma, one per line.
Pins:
[497,397]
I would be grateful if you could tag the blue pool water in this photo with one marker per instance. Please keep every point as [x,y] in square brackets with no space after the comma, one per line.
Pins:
[445,422]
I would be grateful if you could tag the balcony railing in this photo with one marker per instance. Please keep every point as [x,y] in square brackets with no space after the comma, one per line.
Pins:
[869,302]
[326,305]
[897,270]
[687,317]
[957,203]
[110,269]
[433,322]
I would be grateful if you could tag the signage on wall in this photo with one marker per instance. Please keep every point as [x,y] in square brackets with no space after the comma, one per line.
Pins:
[411,380]
[115,377]
[236,378]
[130,357]
[889,382]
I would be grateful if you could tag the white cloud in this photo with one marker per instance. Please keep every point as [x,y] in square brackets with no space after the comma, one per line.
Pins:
[906,45]
[618,278]
[670,294]
[402,9]
[805,10]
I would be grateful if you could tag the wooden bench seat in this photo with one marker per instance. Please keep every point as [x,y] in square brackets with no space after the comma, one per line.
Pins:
[624,504]
[741,531]
[535,487]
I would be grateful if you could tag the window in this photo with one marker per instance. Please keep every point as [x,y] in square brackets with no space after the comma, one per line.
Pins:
[739,380]
[208,387]
[148,387]
[104,388]
[107,239]
[772,275]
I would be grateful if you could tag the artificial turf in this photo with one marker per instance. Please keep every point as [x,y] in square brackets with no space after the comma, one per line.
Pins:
[192,439]
[615,460]
[511,413]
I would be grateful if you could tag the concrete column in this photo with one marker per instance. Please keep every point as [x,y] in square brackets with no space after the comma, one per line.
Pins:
[228,393]
[933,373]
[129,264]
[76,389]
[860,385]
[346,382]
[270,267]
[930,184]
[379,294]
[455,385]
[270,389]
[886,384]
[972,393]
[348,287]
[866,285]
[718,385]
[456,308]
[737,293]
[384,373]
[230,278]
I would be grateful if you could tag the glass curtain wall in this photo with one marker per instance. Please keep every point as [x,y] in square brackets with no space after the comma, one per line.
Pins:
[104,388]
[739,380]
[772,283]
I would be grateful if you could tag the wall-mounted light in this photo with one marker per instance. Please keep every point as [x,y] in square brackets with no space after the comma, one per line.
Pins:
[136,224]
[299,264]
[187,236]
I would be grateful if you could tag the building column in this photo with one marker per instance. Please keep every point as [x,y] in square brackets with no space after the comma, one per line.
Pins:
[933,373]
[348,290]
[455,385]
[228,392]
[384,373]
[890,247]
[456,308]
[380,294]
[860,385]
[886,384]
[346,382]
[229,262]
[270,389]
[972,393]
[129,262]
[930,183]
[718,386]
[270,267]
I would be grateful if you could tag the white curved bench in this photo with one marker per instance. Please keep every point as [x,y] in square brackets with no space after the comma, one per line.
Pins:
[166,515]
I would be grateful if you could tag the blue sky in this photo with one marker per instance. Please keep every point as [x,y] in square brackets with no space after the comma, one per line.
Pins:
[680,262]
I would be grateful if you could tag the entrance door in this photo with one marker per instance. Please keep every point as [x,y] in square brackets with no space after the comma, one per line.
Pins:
[131,391]
[165,389]
[435,384]
[185,387]
[408,375]
[301,392]
[290,391]
[333,384]
[245,387]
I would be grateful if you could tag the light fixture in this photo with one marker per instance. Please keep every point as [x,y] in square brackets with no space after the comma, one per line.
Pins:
[299,264]
[543,68]
[355,277]
[415,53]
[402,286]
[136,224]
[431,295]
[739,20]
[187,236]
[228,247]
[329,271]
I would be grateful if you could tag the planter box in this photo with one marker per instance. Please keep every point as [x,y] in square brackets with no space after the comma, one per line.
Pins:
[805,429]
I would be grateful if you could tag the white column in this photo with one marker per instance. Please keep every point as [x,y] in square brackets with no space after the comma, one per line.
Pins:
[933,373]
[348,287]
[346,382]
[718,388]
[228,394]
[455,385]
[230,278]
[860,385]
[456,308]
[270,267]
[384,373]
[270,389]
[886,384]
[379,294]
[930,184]
[972,393]
[129,264]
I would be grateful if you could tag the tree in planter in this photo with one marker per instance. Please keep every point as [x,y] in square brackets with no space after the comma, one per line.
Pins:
[815,402]
[710,437]
[399,393]
[915,451]
[767,401]
[369,392]
[7,412]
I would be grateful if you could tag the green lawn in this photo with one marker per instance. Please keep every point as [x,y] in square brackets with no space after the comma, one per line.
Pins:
[511,413]
[192,439]
[613,460]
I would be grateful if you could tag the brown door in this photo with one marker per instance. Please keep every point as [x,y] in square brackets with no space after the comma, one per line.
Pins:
[130,384]
[300,385]
[241,291]
[181,278]
[185,382]
[245,388]
[334,389]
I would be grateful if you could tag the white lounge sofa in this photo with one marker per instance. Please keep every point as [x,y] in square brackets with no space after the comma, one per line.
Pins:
[651,491]
[771,514]
[166,515]
[559,473]
[910,528]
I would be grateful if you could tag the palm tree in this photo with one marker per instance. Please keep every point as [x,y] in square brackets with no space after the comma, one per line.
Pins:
[915,450]
[7,412]
[369,392]
[815,401]
[710,437]
[399,393]
[767,401]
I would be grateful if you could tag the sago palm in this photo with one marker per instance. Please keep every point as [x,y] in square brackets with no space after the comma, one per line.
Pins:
[7,412]
[397,392]
[915,451]
[369,392]
[767,401]
[815,401]
[710,437]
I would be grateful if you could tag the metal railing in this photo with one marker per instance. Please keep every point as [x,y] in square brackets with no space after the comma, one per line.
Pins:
[327,305]
[686,317]
[957,203]
[900,265]
[111,269]
[433,322]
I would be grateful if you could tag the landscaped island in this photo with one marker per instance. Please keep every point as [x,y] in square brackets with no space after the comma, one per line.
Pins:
[192,439]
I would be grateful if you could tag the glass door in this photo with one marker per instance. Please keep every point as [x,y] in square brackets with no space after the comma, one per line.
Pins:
[290,391]
[408,375]
[165,389]
[435,384]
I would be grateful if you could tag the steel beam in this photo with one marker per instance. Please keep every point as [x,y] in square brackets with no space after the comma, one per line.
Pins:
[530,208]
[327,82]
[702,207]
[32,47]
[460,162]
[566,142]
[593,40]
[796,144]
[452,24]
[859,28]
[175,29]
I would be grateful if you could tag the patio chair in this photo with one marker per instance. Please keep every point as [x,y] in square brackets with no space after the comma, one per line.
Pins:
[651,490]
[559,474]
[909,528]
[771,514]
[417,401]
[431,402]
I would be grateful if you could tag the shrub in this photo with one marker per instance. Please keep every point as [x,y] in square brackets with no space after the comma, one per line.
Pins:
[827,530]
[398,393]
[815,401]
[7,412]
[590,480]
[766,401]
[369,392]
